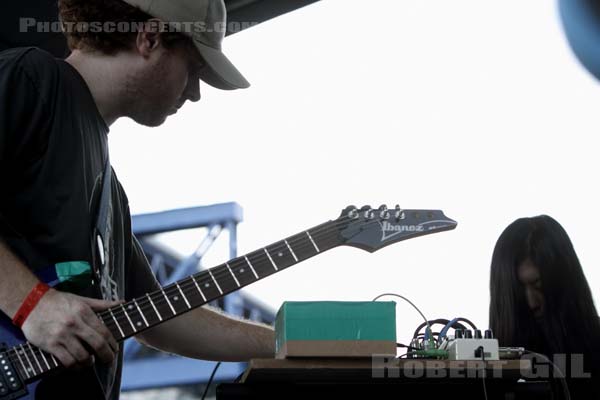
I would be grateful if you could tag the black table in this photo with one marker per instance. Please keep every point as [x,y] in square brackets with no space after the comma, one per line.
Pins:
[401,378]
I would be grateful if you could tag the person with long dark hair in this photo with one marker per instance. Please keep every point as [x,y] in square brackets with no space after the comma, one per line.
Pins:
[541,300]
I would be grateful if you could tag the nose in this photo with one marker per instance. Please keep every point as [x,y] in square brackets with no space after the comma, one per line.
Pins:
[193,90]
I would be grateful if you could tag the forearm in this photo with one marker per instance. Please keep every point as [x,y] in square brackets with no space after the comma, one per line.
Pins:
[16,283]
[208,334]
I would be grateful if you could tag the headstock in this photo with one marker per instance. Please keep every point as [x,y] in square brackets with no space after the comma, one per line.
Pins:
[372,229]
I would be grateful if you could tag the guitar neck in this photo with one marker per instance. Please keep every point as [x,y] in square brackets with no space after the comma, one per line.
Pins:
[137,315]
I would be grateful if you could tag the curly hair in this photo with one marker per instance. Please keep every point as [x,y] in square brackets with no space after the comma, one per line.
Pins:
[85,19]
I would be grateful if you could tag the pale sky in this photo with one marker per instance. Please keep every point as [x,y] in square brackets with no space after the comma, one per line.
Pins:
[474,107]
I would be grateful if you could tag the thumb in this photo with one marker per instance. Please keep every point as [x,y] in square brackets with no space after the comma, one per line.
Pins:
[97,304]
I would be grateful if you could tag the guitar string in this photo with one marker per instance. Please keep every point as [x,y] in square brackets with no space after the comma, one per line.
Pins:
[203,277]
[325,228]
[322,230]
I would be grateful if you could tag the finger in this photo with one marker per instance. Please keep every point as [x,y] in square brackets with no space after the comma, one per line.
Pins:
[94,323]
[97,343]
[63,356]
[99,305]
[76,349]
[90,362]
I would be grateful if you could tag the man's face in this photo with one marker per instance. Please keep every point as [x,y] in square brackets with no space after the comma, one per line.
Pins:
[166,80]
[529,276]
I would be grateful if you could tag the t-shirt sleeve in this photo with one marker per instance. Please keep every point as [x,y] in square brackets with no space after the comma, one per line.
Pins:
[140,279]
[24,114]
[24,122]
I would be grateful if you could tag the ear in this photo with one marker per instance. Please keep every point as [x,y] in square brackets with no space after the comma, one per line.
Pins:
[149,38]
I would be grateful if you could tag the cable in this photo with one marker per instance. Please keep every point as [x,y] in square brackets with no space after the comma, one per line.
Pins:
[451,324]
[440,321]
[428,333]
[406,347]
[562,378]
[480,348]
[431,323]
[210,380]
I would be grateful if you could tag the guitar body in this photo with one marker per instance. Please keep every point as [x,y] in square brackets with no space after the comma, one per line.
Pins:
[11,336]
[367,229]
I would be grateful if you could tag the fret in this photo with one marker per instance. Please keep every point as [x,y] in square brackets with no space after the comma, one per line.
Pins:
[168,301]
[233,275]
[325,236]
[154,307]
[313,242]
[222,275]
[191,296]
[209,289]
[176,303]
[54,360]
[215,281]
[198,287]
[261,263]
[183,295]
[22,364]
[23,351]
[116,323]
[134,315]
[128,318]
[301,246]
[281,255]
[35,358]
[242,272]
[111,324]
[45,359]
[251,267]
[141,313]
[291,250]
[271,259]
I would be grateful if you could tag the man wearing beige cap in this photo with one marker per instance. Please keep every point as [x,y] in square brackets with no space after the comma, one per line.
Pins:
[141,59]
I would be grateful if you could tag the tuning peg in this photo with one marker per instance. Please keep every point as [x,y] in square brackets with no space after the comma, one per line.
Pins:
[399,213]
[369,213]
[353,213]
[383,212]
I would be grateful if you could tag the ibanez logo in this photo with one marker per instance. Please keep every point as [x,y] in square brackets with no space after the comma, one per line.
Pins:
[389,230]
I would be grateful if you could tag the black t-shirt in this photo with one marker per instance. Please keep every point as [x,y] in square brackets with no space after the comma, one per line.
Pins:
[53,145]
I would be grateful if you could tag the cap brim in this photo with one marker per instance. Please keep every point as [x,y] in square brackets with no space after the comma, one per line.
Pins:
[219,72]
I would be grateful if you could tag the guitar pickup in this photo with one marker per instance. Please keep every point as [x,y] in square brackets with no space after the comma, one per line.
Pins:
[11,386]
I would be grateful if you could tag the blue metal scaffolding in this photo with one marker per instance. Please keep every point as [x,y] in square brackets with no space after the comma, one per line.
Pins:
[145,368]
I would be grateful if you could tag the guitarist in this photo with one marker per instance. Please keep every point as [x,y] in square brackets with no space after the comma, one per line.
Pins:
[54,121]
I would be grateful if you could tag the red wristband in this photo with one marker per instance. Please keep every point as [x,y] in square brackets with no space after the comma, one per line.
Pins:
[29,303]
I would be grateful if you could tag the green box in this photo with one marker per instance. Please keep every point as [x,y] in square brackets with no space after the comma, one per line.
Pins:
[335,329]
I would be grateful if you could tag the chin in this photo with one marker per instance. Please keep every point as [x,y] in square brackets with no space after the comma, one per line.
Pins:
[151,121]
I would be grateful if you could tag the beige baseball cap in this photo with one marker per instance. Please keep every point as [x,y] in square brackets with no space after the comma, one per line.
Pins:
[205,21]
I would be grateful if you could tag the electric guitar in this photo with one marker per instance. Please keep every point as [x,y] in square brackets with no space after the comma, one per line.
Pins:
[22,364]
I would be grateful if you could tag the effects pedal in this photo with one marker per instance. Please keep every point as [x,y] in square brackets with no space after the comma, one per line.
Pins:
[466,347]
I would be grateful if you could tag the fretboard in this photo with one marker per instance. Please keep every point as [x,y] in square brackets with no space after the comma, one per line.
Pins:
[147,311]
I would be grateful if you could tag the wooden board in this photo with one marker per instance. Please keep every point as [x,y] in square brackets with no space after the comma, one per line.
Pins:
[369,370]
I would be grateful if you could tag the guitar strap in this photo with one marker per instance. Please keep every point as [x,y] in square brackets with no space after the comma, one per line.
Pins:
[102,231]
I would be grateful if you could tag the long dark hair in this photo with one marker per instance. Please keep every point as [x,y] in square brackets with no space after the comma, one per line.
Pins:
[570,323]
